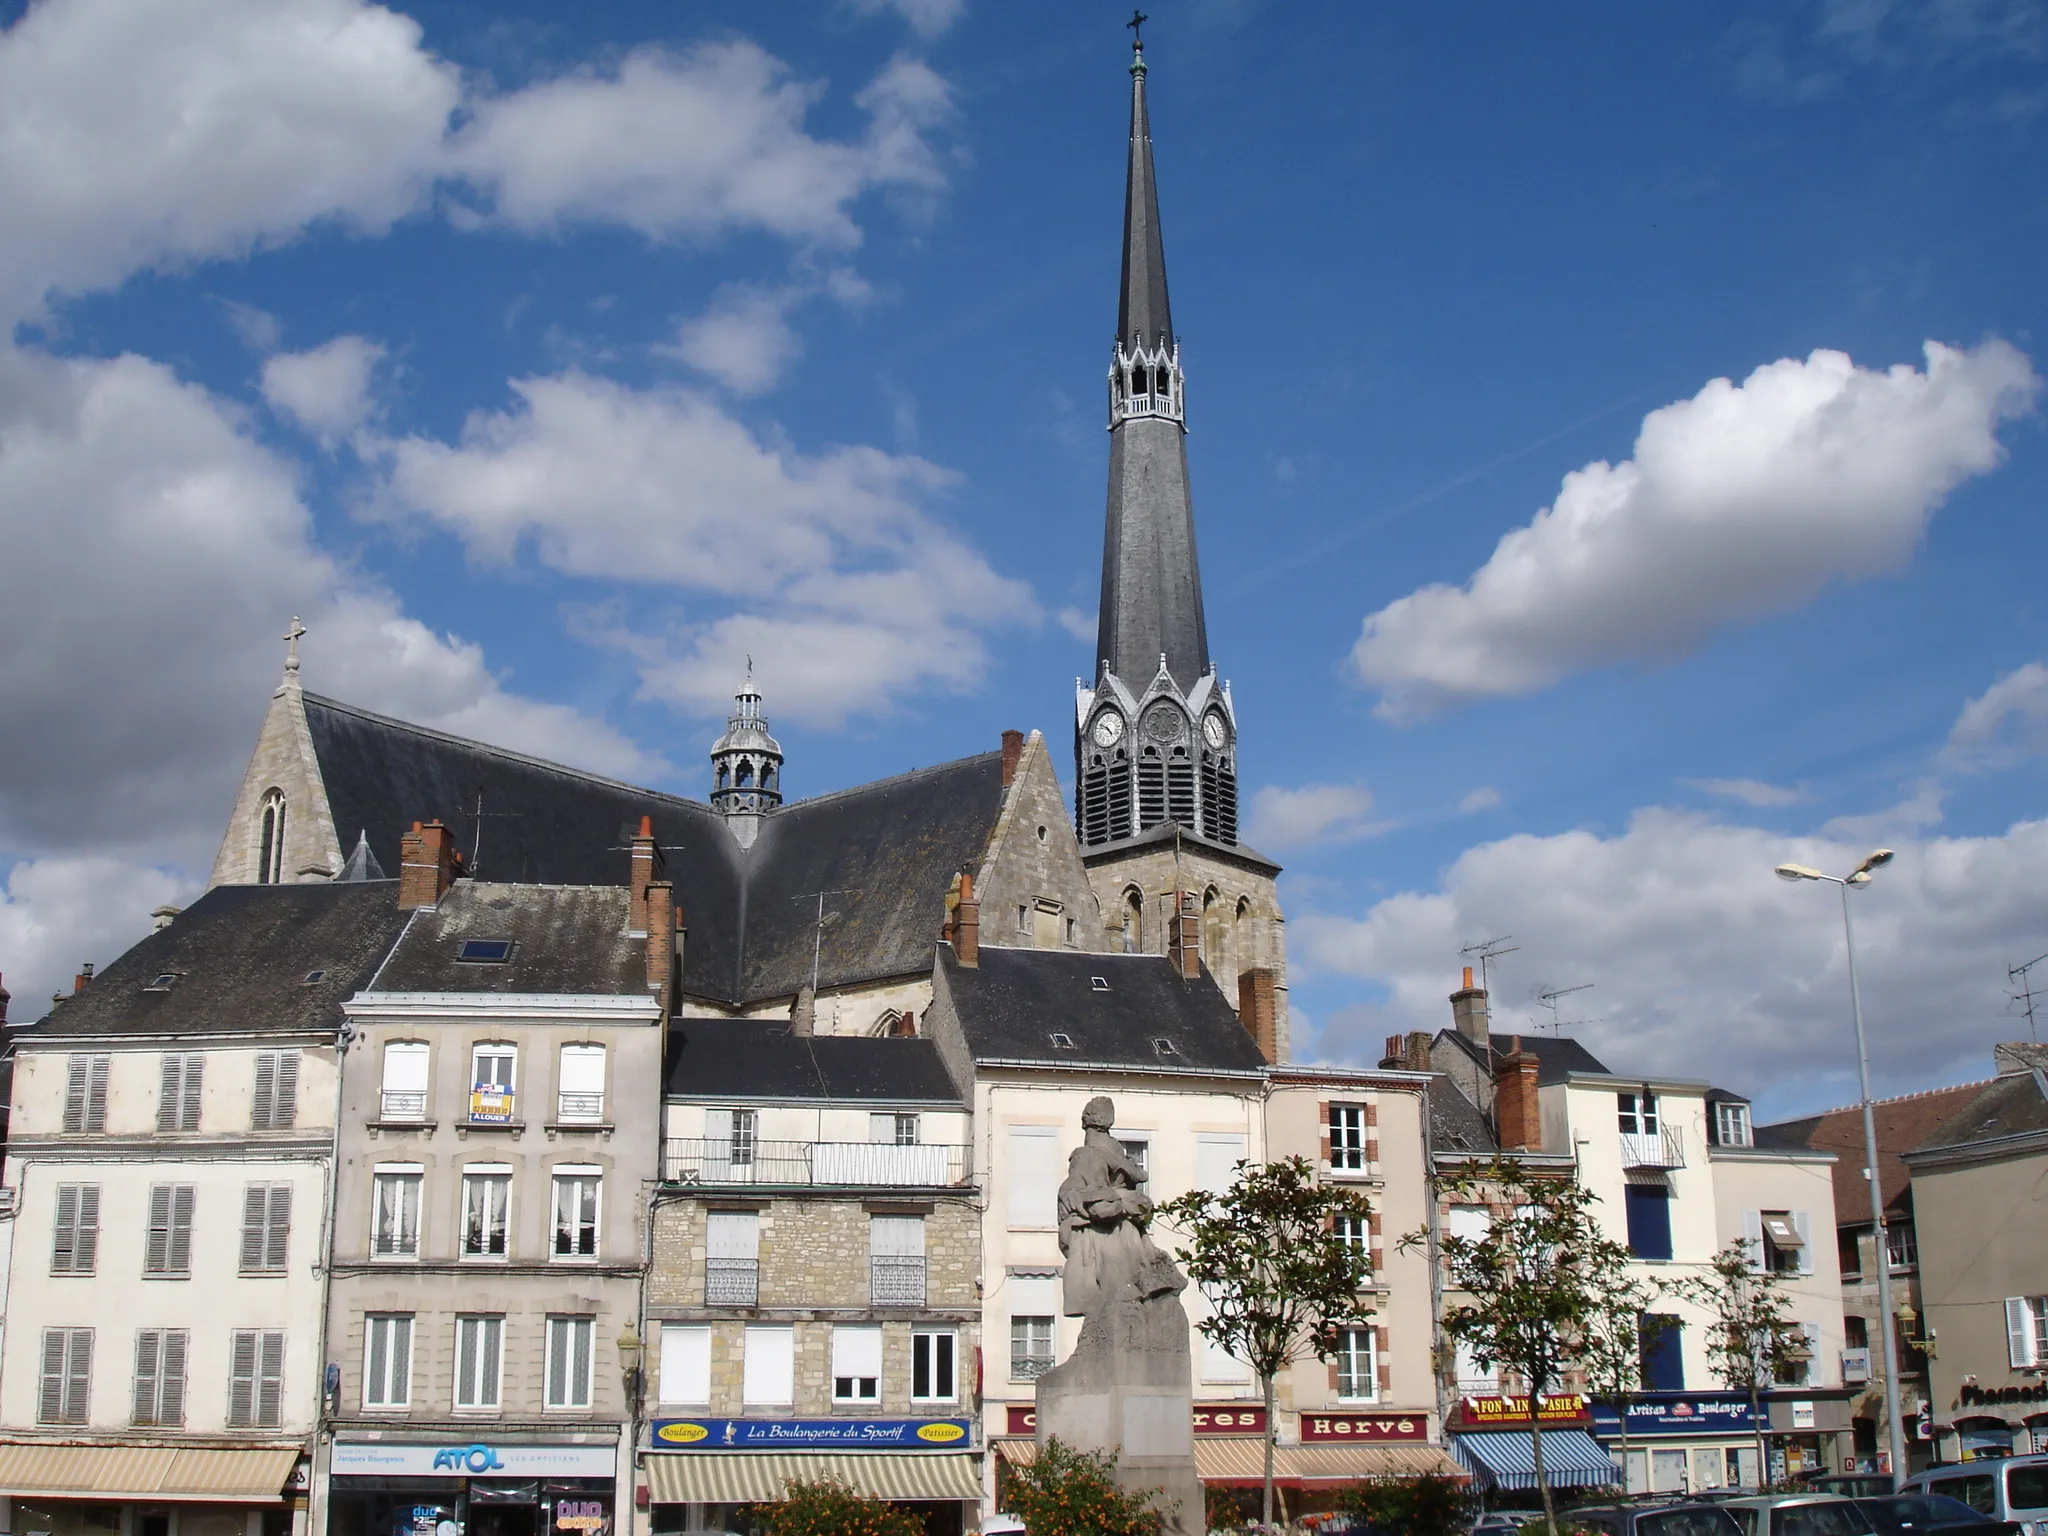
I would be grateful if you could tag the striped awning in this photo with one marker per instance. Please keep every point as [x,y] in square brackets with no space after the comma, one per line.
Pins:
[1240,1461]
[1504,1458]
[144,1472]
[759,1477]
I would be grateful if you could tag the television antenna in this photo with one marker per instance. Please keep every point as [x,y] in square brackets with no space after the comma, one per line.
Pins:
[1486,951]
[1546,997]
[2024,995]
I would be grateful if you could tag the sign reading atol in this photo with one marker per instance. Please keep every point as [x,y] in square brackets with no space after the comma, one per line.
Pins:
[480,1458]
[812,1434]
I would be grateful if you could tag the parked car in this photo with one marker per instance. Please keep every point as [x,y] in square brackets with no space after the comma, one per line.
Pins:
[1923,1514]
[1691,1518]
[1855,1485]
[1800,1514]
[1499,1523]
[2012,1488]
[1003,1525]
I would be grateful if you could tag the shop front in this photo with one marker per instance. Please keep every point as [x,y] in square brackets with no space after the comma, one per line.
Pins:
[2009,1420]
[702,1474]
[129,1488]
[1494,1439]
[450,1487]
[1683,1442]
[1810,1434]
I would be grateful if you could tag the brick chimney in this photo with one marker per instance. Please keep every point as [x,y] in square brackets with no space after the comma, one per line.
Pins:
[649,868]
[1184,938]
[1257,1012]
[427,865]
[1013,753]
[967,923]
[661,939]
[82,980]
[1469,1014]
[1409,1052]
[1517,1112]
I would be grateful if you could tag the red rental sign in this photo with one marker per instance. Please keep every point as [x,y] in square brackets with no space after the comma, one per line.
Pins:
[1354,1427]
[1210,1419]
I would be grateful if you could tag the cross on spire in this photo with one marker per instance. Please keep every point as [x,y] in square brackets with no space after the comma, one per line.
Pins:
[292,637]
[1138,19]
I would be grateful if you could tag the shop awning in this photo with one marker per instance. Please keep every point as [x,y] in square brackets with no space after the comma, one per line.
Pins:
[144,1472]
[1231,1462]
[759,1477]
[1505,1459]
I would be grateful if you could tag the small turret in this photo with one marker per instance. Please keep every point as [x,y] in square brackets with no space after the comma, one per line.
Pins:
[746,766]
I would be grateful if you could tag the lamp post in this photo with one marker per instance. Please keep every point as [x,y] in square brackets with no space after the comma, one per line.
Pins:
[1894,1423]
[635,1386]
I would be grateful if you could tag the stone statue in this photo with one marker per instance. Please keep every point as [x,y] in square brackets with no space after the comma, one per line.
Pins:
[1127,1387]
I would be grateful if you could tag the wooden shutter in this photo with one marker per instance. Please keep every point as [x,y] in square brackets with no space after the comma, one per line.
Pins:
[1803,1225]
[558,1362]
[270,1380]
[2019,1333]
[171,1375]
[76,1072]
[78,1374]
[156,1250]
[87,1234]
[96,1095]
[64,1238]
[242,1379]
[170,1099]
[266,1090]
[180,1254]
[277,1234]
[50,1407]
[1753,1240]
[148,1348]
[255,1220]
[284,1110]
[195,1082]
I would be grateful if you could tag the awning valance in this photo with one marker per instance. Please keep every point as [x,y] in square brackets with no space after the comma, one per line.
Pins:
[1239,1461]
[1505,1459]
[759,1477]
[144,1472]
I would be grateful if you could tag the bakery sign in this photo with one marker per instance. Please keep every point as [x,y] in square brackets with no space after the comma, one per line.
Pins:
[1557,1408]
[1355,1427]
[1209,1419]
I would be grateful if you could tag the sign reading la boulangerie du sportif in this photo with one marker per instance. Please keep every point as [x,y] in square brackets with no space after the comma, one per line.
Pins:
[812,1434]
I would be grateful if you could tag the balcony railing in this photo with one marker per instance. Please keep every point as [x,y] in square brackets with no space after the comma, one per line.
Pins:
[731,1282]
[583,1108]
[897,1280]
[1653,1149]
[720,1160]
[404,1104]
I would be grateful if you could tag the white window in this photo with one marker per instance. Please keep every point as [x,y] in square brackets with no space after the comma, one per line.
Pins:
[160,1376]
[486,1210]
[1216,1158]
[395,1213]
[1902,1251]
[1034,1173]
[1473,1378]
[1636,1113]
[387,1360]
[685,1364]
[493,1068]
[85,1094]
[1470,1222]
[896,1261]
[732,1258]
[1139,1150]
[893,1130]
[266,1228]
[1347,1136]
[67,1376]
[75,1241]
[179,1089]
[2026,1330]
[479,1360]
[1355,1232]
[856,1365]
[768,1377]
[256,1379]
[570,1340]
[405,1081]
[167,1250]
[934,1365]
[1358,1378]
[580,1089]
[274,1106]
[1731,1121]
[1034,1306]
[576,1191]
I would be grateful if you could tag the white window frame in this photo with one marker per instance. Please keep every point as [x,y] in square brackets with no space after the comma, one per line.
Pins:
[1731,1122]
[935,1355]
[758,1340]
[1027,1329]
[1354,1229]
[1347,1363]
[1636,1114]
[2026,1331]
[387,1361]
[1347,1138]
[495,1050]
[480,1378]
[407,1074]
[562,1179]
[571,1104]
[397,1177]
[571,1361]
[857,1364]
[479,1182]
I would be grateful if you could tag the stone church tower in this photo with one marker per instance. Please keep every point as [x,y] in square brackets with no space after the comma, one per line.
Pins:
[1155,735]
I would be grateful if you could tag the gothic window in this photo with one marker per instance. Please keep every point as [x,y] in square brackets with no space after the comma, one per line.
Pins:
[1241,936]
[1213,930]
[1134,921]
[270,846]
[721,776]
[744,779]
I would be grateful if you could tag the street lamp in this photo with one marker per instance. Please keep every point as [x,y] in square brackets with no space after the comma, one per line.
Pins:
[1860,875]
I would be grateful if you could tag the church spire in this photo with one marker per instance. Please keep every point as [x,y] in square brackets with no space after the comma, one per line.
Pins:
[1155,734]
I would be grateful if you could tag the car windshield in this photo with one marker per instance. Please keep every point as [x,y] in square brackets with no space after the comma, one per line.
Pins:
[1830,1519]
[1975,1490]
[2026,1488]
[1745,1517]
[1697,1520]
[1919,1509]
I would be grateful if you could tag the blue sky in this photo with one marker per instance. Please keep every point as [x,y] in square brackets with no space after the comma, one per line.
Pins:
[551,360]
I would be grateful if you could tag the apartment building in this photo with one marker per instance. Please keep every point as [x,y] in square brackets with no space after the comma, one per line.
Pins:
[812,1303]
[499,1132]
[171,1152]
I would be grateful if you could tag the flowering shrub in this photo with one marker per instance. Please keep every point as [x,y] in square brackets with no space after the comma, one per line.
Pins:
[828,1508]
[1066,1492]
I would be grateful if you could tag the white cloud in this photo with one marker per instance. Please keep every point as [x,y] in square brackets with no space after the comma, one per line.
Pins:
[744,339]
[327,389]
[2008,721]
[1742,501]
[927,18]
[1484,798]
[58,913]
[1708,966]
[1313,813]
[1746,791]
[853,589]
[1082,626]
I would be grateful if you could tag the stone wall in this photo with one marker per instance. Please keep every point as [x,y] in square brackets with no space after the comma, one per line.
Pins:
[1034,863]
[284,761]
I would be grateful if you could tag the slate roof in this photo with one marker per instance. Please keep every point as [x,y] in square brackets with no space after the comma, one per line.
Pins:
[1902,1124]
[744,1059]
[1455,1123]
[1556,1057]
[2015,1105]
[1011,1004]
[887,851]
[565,939]
[241,955]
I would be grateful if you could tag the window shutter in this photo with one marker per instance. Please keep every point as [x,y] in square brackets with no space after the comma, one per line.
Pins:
[96,1095]
[148,1343]
[171,1378]
[584,1331]
[64,1239]
[2019,1333]
[242,1379]
[50,1410]
[896,1237]
[685,1364]
[195,1081]
[76,1070]
[732,1234]
[78,1376]
[284,1112]
[86,1253]
[170,1094]
[180,1255]
[582,1069]
[1216,1159]
[255,1200]
[857,1351]
[467,1331]
[558,1362]
[270,1381]
[1034,1176]
[266,1090]
[1753,1240]
[278,1234]
[1803,1225]
[156,1250]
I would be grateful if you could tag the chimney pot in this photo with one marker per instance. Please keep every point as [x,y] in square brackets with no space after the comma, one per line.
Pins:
[648,869]
[967,924]
[1468,977]
[1013,753]
[1469,1012]
[82,980]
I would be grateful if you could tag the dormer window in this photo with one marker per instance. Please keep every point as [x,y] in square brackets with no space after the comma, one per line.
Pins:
[1731,1124]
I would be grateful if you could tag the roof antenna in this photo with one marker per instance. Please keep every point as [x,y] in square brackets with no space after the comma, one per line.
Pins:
[1486,951]
[2024,996]
[1546,997]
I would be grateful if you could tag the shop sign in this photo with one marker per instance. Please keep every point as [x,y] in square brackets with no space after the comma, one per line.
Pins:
[812,1434]
[583,1517]
[1210,1419]
[1678,1416]
[1355,1427]
[1558,1407]
[1802,1415]
[481,1458]
[490,1104]
[1972,1396]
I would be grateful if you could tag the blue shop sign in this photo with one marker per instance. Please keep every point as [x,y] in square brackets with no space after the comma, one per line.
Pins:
[812,1434]
[1677,1413]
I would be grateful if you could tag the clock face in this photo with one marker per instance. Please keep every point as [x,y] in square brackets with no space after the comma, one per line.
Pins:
[1109,729]
[1213,731]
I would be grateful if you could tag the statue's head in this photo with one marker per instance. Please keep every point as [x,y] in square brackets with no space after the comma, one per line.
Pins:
[1099,1115]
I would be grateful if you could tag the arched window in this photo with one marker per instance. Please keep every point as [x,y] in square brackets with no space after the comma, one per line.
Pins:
[1134,921]
[721,775]
[1241,940]
[744,779]
[1213,931]
[270,845]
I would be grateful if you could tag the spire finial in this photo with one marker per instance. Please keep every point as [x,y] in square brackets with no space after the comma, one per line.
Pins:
[292,637]
[1138,20]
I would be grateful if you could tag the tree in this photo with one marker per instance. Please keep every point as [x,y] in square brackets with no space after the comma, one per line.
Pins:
[1429,1505]
[830,1508]
[1530,1278]
[1066,1492]
[1281,1260]
[1751,1343]
[1620,1331]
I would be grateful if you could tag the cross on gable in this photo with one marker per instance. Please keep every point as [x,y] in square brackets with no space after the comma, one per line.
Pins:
[292,637]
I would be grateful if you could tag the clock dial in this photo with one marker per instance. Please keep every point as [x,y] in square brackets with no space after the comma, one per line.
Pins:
[1213,731]
[1109,729]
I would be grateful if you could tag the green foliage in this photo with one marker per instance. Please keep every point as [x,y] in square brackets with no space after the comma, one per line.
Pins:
[1616,1334]
[1066,1492]
[1752,1343]
[1429,1505]
[830,1508]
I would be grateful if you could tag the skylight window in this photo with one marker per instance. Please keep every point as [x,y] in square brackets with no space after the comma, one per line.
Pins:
[485,951]
[1165,1047]
[1062,1042]
[163,983]
[1098,983]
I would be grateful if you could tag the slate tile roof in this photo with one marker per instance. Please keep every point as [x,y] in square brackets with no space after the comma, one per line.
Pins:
[565,939]
[745,1059]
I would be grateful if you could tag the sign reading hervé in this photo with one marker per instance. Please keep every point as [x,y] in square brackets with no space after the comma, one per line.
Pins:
[811,1434]
[1210,1419]
[1363,1426]
[1558,1407]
